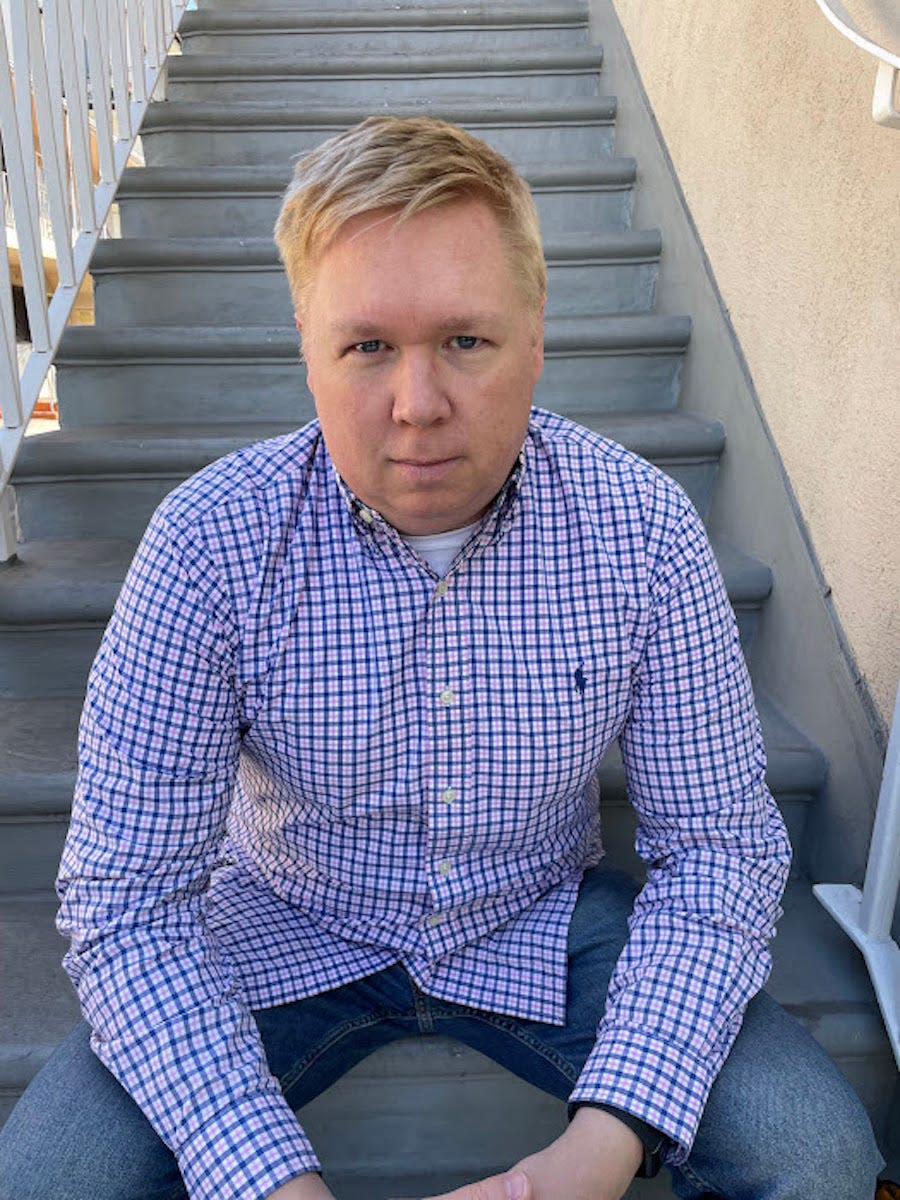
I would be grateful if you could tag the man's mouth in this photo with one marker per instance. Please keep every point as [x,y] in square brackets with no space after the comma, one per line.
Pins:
[425,468]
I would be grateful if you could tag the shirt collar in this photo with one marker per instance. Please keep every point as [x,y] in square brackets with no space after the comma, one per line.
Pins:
[375,531]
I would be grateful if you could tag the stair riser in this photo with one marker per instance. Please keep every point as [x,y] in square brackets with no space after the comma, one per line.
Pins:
[389,89]
[620,825]
[121,508]
[30,846]
[217,146]
[29,853]
[572,210]
[382,42]
[184,392]
[260,295]
[512,9]
[47,662]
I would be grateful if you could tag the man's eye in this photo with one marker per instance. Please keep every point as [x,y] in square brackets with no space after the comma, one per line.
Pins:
[466,341]
[370,346]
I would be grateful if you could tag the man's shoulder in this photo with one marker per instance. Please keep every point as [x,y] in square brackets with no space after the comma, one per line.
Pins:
[272,475]
[588,459]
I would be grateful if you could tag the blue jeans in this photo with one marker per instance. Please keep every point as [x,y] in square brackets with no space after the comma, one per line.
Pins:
[781,1122]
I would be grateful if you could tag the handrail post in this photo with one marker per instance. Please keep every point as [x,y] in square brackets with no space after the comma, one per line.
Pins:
[867,916]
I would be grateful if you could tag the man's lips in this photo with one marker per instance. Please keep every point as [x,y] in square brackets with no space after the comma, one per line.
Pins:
[423,469]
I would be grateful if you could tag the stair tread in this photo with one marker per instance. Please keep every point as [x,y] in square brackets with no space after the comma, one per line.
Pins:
[38,757]
[81,344]
[541,12]
[279,65]
[818,975]
[251,114]
[272,179]
[132,254]
[124,449]
[71,581]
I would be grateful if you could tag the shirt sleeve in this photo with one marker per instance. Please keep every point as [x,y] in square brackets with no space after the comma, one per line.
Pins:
[158,751]
[712,837]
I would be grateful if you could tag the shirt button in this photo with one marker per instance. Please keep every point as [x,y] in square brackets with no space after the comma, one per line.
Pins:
[447,696]
[366,515]
[434,919]
[445,868]
[442,588]
[448,795]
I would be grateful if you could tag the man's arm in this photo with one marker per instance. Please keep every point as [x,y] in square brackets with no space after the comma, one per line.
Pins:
[717,856]
[711,835]
[159,746]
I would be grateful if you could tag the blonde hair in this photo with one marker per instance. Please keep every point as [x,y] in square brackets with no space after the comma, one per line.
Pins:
[408,164]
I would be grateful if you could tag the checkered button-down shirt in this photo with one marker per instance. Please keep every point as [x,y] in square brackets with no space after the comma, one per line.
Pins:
[304,758]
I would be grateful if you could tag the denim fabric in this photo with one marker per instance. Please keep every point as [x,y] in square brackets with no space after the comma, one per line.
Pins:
[781,1122]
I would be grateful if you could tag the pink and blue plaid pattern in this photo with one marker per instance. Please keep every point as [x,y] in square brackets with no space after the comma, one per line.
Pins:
[304,758]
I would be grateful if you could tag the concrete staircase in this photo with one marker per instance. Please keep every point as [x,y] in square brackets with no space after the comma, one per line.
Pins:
[194,354]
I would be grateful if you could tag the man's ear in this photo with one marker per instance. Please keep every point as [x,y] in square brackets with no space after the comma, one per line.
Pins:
[303,359]
[538,338]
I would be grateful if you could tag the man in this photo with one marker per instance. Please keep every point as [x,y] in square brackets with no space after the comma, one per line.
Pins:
[339,745]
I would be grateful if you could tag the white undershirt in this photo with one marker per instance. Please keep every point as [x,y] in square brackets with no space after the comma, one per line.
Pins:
[440,549]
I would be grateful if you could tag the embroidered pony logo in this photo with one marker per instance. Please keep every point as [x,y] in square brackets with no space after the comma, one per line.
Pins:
[580,678]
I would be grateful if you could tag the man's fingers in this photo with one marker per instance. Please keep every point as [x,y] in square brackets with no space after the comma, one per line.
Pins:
[514,1186]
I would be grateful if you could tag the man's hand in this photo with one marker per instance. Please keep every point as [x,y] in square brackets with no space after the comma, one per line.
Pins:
[595,1159]
[304,1187]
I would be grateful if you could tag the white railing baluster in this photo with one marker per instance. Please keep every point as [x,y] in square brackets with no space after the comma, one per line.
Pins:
[98,82]
[11,407]
[54,172]
[119,74]
[75,63]
[135,33]
[72,53]
[19,152]
[867,916]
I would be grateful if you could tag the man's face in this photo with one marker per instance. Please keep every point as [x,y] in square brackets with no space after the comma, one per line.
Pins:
[422,358]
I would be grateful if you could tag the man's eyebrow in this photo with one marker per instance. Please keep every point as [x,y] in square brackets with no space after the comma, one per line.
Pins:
[365,328]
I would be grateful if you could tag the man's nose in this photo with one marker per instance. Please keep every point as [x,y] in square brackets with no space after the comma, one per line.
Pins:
[419,397]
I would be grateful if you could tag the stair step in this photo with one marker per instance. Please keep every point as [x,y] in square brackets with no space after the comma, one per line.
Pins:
[56,597]
[208,281]
[193,134]
[244,201]
[38,760]
[105,481]
[438,29]
[609,363]
[795,772]
[435,1093]
[355,9]
[384,78]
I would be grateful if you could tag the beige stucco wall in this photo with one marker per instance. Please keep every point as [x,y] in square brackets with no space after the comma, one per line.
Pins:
[796,195]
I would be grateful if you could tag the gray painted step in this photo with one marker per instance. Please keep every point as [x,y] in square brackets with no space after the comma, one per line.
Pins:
[795,772]
[244,201]
[106,481]
[379,79]
[438,29]
[56,597]
[435,1094]
[38,757]
[611,364]
[248,134]
[351,9]
[208,281]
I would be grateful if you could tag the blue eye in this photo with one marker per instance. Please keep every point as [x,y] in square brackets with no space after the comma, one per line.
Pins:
[466,341]
[370,346]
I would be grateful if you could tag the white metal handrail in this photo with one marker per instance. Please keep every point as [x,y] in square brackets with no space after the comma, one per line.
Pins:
[883,108]
[867,915]
[76,77]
